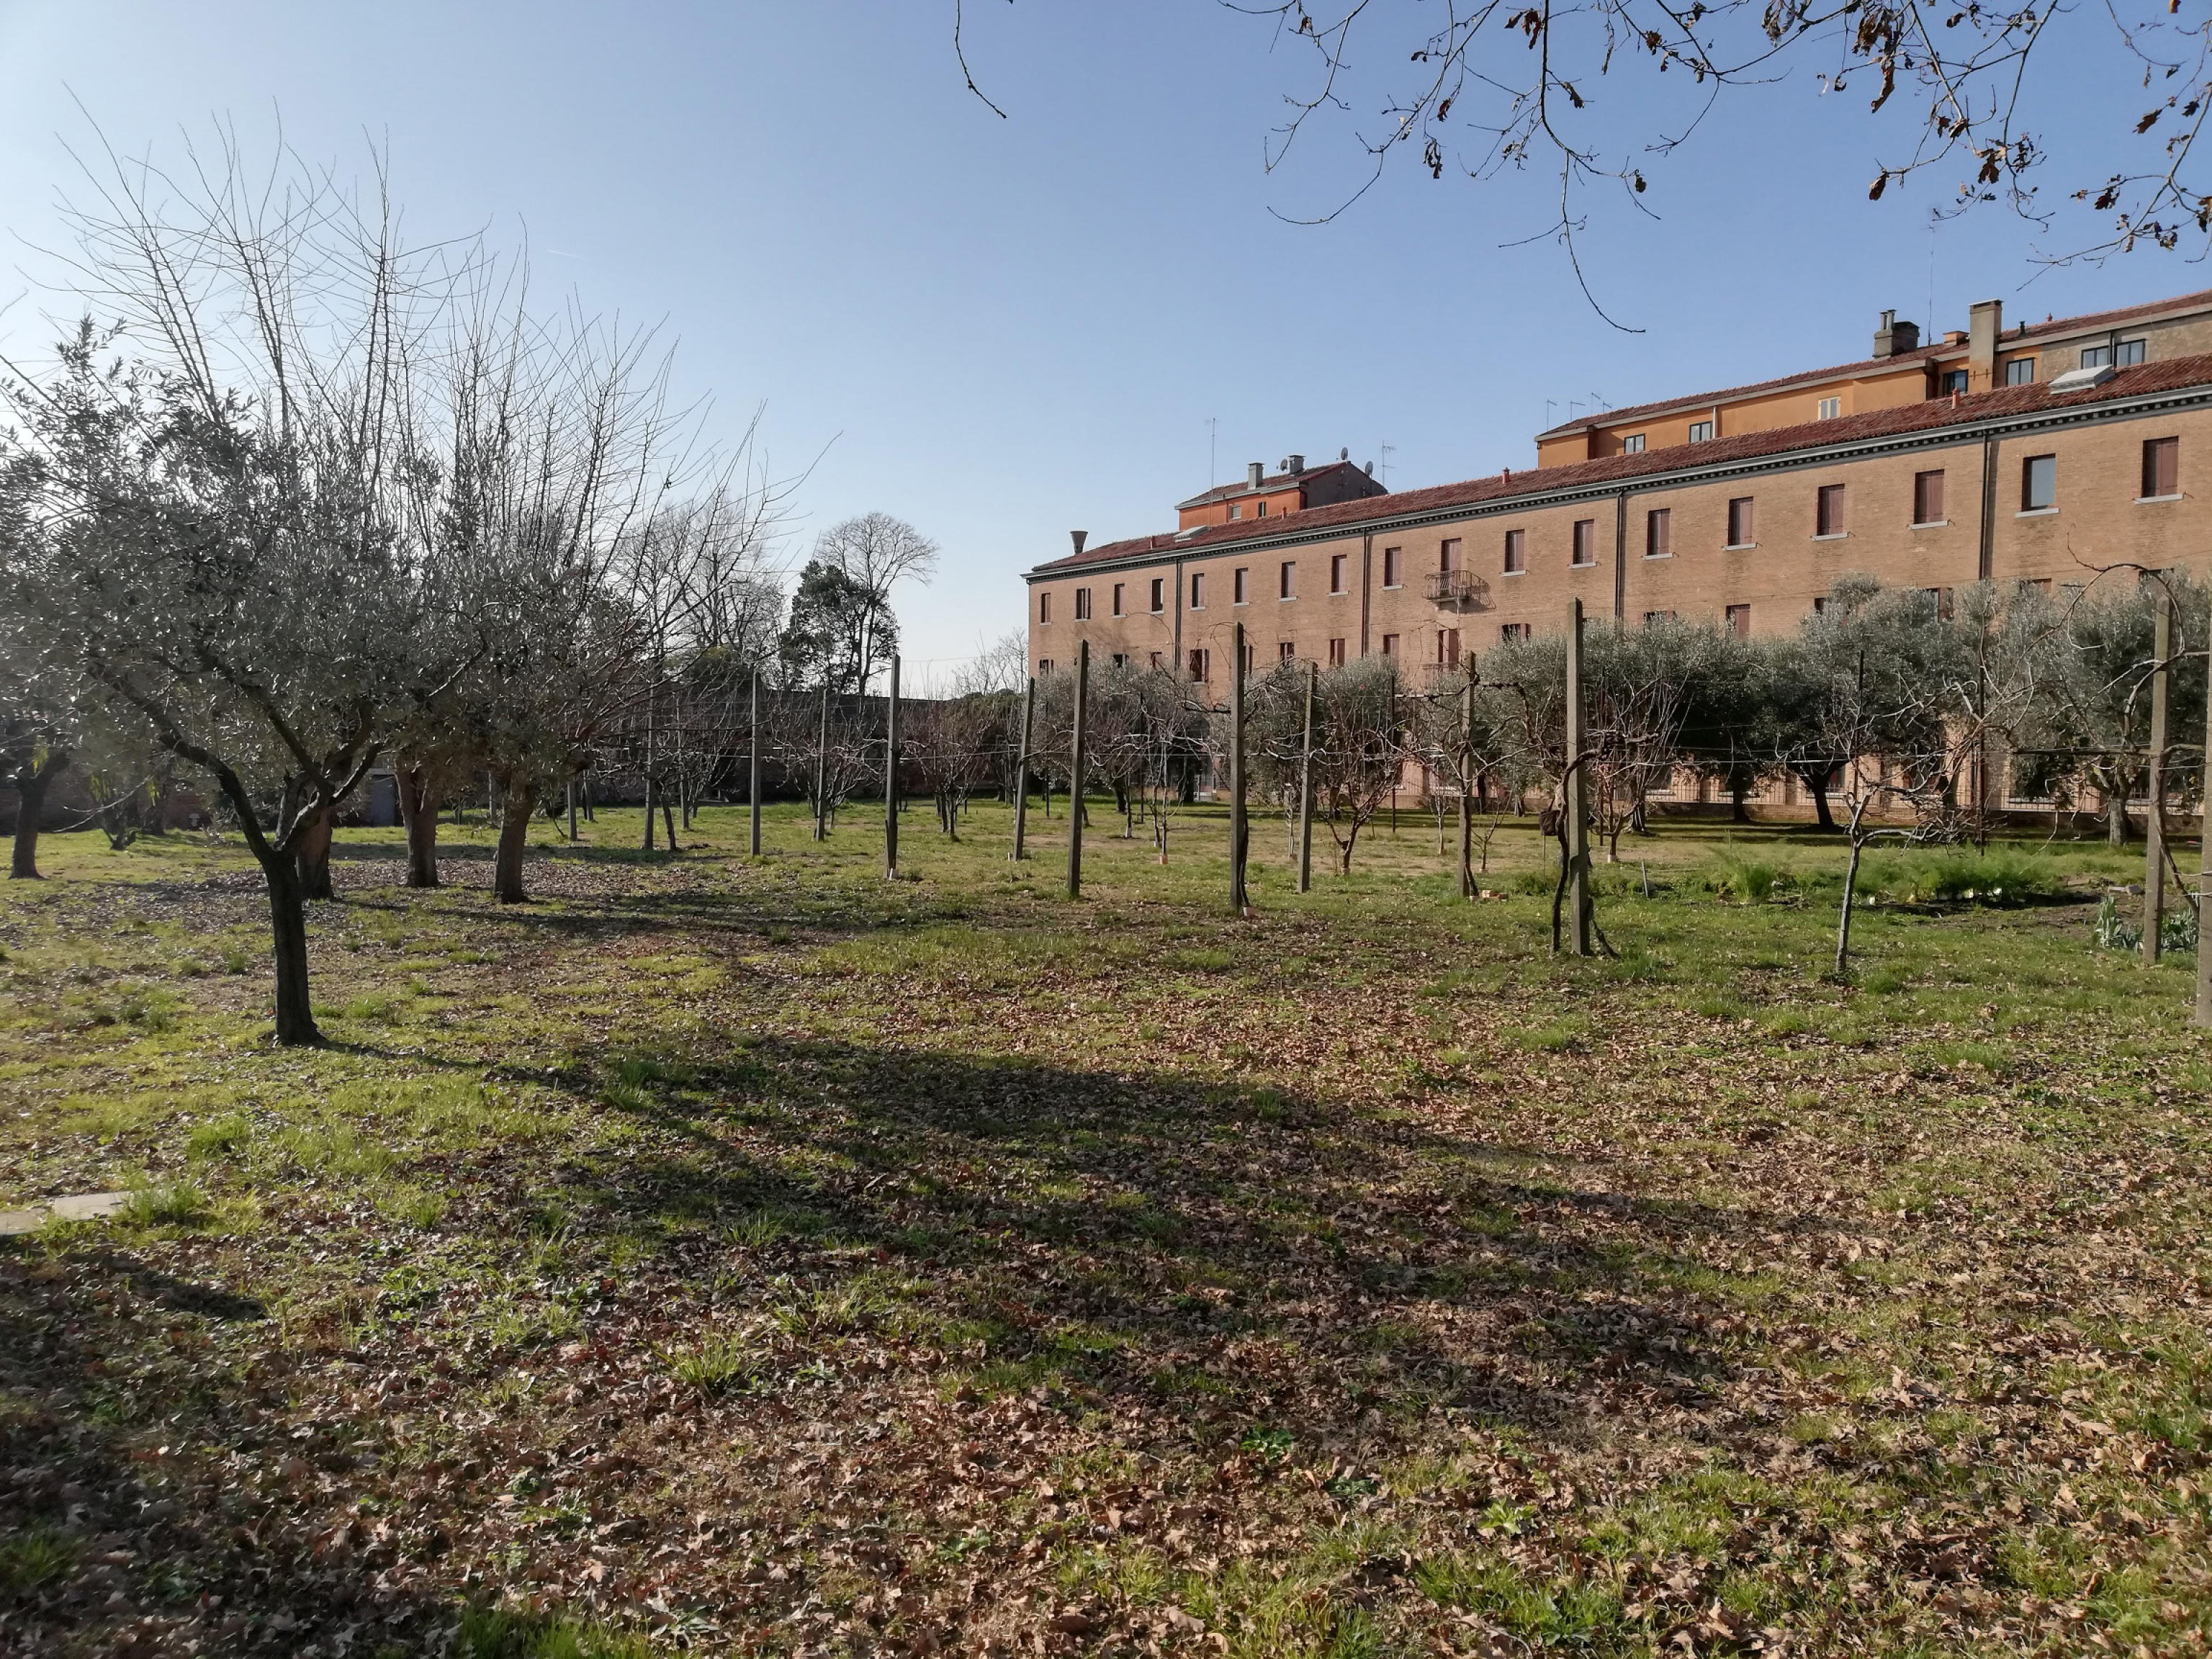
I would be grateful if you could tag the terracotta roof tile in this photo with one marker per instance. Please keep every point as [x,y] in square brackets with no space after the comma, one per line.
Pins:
[1273,481]
[2057,328]
[2169,374]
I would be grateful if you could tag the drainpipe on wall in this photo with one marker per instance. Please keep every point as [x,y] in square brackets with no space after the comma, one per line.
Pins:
[1620,556]
[1986,569]
[1366,586]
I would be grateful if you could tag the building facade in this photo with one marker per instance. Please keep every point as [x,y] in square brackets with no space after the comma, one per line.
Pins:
[2087,458]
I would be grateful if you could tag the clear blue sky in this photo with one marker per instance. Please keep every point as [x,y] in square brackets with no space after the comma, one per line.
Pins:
[1012,328]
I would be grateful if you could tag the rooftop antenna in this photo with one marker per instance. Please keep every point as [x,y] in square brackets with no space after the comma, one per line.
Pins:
[1383,466]
[1550,403]
[1212,444]
[1597,402]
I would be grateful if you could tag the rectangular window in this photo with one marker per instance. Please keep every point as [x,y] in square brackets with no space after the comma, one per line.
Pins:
[1159,594]
[1260,512]
[1286,583]
[1201,665]
[1738,621]
[1651,616]
[1239,590]
[2020,371]
[1121,659]
[1159,660]
[1828,517]
[1197,590]
[1044,607]
[1251,656]
[2129,353]
[1701,432]
[1516,551]
[2161,468]
[1742,530]
[1447,647]
[1448,556]
[1044,667]
[1235,511]
[2039,483]
[1659,533]
[1941,598]
[1391,560]
[1117,599]
[1287,651]
[1632,444]
[1950,379]
[1928,498]
[1339,563]
[1083,604]
[1585,542]
[1820,606]
[1390,646]
[1831,408]
[1508,632]
[1336,654]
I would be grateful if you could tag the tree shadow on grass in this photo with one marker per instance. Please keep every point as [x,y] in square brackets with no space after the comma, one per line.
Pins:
[1213,1267]
[1368,1262]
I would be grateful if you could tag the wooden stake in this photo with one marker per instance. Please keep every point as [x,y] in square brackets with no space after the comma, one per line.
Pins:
[1022,771]
[1075,772]
[1466,794]
[1576,801]
[2154,907]
[1238,901]
[1306,786]
[890,778]
[822,767]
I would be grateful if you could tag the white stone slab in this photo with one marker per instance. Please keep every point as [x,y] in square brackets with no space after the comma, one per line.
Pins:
[77,1206]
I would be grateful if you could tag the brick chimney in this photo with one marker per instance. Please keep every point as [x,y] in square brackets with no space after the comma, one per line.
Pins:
[1984,323]
[1893,339]
[1295,465]
[1078,537]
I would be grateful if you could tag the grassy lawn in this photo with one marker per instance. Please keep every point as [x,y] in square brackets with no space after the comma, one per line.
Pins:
[724,1255]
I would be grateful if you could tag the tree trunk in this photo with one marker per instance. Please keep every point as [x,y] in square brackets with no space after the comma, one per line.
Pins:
[648,812]
[513,839]
[31,786]
[313,855]
[1816,785]
[287,917]
[2116,815]
[1844,920]
[1739,798]
[418,810]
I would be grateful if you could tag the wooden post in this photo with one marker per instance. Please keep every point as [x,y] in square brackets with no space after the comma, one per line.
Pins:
[1466,795]
[572,810]
[822,767]
[1022,771]
[890,777]
[753,769]
[1576,801]
[1238,901]
[2154,906]
[1075,772]
[1306,786]
[2204,868]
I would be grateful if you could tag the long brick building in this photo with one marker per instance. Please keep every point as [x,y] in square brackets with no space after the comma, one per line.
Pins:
[2017,452]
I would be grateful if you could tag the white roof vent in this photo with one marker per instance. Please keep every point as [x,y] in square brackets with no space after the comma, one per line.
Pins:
[2081,380]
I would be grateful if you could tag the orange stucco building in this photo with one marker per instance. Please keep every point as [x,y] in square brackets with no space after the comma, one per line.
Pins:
[2006,451]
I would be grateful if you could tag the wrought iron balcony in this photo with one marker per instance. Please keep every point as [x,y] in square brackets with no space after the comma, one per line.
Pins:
[1460,587]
